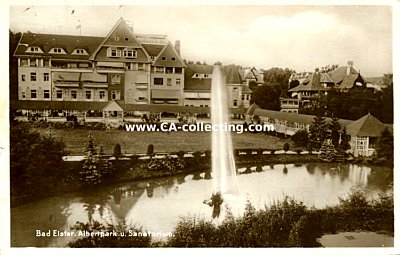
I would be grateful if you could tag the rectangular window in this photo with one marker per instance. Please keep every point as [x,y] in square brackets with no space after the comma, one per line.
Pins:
[173,59]
[159,69]
[158,81]
[23,94]
[34,49]
[24,62]
[46,63]
[361,143]
[114,53]
[46,93]
[129,53]
[84,65]
[59,94]
[33,93]
[164,58]
[178,82]
[115,79]
[88,95]
[243,97]
[234,102]
[178,70]
[169,82]
[141,98]
[33,76]
[234,90]
[102,94]
[23,77]
[115,95]
[73,94]
[33,62]
[140,66]
[168,69]
[46,77]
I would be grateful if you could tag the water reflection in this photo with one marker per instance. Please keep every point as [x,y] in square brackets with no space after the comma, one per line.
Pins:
[157,204]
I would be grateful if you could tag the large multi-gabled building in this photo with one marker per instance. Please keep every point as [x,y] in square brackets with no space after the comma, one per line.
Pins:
[124,67]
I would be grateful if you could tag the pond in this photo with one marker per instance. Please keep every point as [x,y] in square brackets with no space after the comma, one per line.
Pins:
[158,204]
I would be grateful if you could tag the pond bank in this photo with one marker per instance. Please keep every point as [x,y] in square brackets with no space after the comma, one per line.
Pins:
[136,169]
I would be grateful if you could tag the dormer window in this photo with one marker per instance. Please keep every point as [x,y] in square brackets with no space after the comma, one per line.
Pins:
[79,52]
[57,51]
[34,49]
[113,53]
[130,53]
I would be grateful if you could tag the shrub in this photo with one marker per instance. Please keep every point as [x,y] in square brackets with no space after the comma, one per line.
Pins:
[117,151]
[306,230]
[300,138]
[286,147]
[310,147]
[36,165]
[150,150]
[166,164]
[180,154]
[269,227]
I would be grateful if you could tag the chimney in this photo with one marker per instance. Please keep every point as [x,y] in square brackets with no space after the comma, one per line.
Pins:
[178,46]
[349,66]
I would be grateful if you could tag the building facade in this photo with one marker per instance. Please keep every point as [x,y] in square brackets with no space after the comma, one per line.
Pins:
[132,69]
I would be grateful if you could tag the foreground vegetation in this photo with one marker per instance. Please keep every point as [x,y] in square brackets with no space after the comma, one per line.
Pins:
[287,223]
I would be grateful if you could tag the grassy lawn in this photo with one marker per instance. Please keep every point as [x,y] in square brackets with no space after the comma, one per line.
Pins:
[137,142]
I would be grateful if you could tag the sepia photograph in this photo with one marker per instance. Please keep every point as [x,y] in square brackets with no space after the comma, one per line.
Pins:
[171,126]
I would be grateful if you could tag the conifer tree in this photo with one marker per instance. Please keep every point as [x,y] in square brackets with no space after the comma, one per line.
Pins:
[344,143]
[318,132]
[335,129]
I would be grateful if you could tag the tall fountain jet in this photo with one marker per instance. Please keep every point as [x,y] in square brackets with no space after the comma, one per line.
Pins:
[223,164]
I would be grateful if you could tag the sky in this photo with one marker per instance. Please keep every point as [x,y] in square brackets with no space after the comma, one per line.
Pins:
[264,36]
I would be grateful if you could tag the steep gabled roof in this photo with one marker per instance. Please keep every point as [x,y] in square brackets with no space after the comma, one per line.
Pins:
[232,74]
[169,52]
[153,49]
[366,126]
[249,74]
[349,80]
[48,41]
[122,31]
[326,78]
[251,109]
[312,83]
[203,69]
[340,73]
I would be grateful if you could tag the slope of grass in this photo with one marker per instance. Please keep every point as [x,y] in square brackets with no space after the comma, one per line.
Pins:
[137,142]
